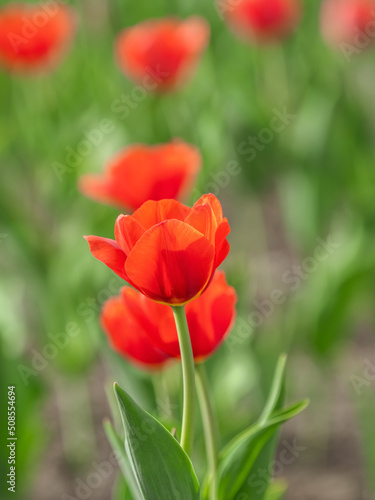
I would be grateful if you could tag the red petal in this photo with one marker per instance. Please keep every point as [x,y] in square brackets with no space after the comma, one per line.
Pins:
[127,172]
[211,316]
[196,32]
[214,204]
[94,187]
[108,252]
[154,212]
[203,220]
[218,231]
[171,263]
[126,334]
[175,167]
[127,232]
[163,52]
[147,312]
[170,170]
[221,244]
[47,41]
[265,20]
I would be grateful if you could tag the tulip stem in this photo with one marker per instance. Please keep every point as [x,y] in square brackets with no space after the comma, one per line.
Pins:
[209,427]
[188,373]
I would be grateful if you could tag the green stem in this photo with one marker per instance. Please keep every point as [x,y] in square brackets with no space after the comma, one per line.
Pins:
[188,372]
[209,426]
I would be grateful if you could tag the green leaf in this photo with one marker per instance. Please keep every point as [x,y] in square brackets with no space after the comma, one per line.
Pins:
[161,467]
[125,466]
[275,396]
[242,457]
[255,488]
[274,401]
[253,449]
[277,490]
[281,416]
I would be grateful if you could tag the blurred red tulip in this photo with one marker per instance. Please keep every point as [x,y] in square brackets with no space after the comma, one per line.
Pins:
[348,22]
[261,20]
[162,54]
[144,331]
[34,37]
[166,250]
[140,173]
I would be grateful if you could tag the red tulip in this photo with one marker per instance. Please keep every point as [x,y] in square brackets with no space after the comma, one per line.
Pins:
[166,250]
[348,22]
[144,331]
[162,54]
[34,37]
[261,20]
[140,173]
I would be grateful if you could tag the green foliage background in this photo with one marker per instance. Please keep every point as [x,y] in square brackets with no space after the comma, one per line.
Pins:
[314,180]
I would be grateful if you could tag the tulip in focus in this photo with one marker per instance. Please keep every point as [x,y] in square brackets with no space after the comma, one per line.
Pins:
[261,21]
[348,24]
[140,173]
[166,250]
[34,37]
[144,332]
[162,54]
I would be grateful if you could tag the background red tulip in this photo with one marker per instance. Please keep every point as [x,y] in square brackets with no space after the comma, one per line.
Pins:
[130,321]
[166,250]
[348,22]
[140,173]
[33,37]
[162,54]
[144,331]
[262,20]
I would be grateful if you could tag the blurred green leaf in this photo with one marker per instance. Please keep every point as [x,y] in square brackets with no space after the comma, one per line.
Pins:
[246,451]
[254,448]
[276,392]
[277,490]
[118,448]
[161,467]
[121,489]
[332,324]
